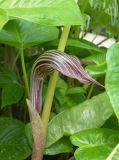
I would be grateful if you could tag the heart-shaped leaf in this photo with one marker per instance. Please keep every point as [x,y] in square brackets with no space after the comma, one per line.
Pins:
[23,34]
[94,144]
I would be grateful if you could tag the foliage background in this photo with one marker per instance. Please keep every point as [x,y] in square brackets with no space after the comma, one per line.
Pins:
[84,118]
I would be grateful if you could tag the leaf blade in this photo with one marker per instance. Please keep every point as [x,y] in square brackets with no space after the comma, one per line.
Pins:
[45,12]
[13,142]
[112,76]
[23,34]
[89,114]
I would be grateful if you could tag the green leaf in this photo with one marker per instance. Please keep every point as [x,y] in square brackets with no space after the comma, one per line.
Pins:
[114,155]
[97,58]
[112,77]
[89,114]
[61,146]
[83,44]
[94,144]
[44,12]
[28,132]
[75,90]
[96,70]
[13,143]
[7,77]
[78,46]
[11,94]
[3,18]
[93,153]
[23,34]
[95,137]
[63,96]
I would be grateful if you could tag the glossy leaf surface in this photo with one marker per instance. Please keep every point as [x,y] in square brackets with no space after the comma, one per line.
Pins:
[93,153]
[112,77]
[95,137]
[89,114]
[94,144]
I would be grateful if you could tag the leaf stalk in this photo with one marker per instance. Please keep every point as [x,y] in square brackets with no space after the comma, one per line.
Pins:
[24,72]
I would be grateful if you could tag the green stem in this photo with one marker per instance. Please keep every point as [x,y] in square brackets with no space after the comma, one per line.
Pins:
[24,72]
[77,32]
[53,80]
[90,91]
[15,60]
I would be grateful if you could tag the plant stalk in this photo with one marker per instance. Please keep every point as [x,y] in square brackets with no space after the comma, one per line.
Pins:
[52,82]
[90,91]
[24,72]
[15,61]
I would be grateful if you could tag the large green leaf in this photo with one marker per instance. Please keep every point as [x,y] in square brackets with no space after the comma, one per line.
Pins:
[112,77]
[3,18]
[44,12]
[89,114]
[20,33]
[94,144]
[61,146]
[114,155]
[13,142]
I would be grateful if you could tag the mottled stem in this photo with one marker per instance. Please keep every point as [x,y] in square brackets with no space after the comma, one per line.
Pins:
[38,132]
